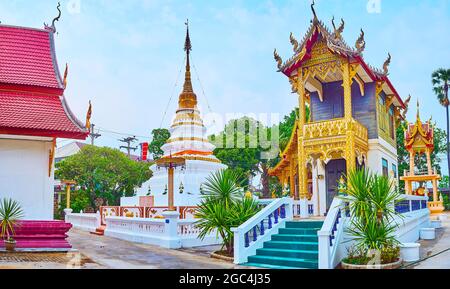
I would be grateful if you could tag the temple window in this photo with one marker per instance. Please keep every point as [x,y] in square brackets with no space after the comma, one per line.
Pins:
[394,169]
[385,167]
[391,122]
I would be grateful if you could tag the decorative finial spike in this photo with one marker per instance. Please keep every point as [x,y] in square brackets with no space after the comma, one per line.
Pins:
[66,73]
[57,17]
[386,64]
[315,19]
[360,43]
[294,42]
[405,111]
[187,44]
[277,59]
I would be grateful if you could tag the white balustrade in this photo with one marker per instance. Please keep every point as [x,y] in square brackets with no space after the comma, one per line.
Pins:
[170,232]
[251,235]
[86,222]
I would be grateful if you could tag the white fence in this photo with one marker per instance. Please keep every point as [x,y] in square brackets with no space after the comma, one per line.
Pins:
[85,222]
[167,233]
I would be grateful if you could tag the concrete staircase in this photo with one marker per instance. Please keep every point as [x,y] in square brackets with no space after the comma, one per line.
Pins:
[294,247]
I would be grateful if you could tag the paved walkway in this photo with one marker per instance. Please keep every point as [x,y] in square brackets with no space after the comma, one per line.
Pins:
[100,252]
[118,254]
[430,248]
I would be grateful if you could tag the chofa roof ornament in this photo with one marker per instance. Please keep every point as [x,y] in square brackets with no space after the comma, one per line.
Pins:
[360,43]
[315,19]
[278,59]
[386,64]
[338,31]
[294,42]
[53,27]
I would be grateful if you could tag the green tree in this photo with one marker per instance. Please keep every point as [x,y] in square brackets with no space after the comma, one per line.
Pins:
[441,81]
[440,147]
[103,173]
[160,137]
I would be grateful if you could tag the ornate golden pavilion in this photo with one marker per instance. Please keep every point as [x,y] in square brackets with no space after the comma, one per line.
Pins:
[350,103]
[419,139]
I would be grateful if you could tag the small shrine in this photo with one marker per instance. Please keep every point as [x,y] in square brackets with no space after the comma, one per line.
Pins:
[419,140]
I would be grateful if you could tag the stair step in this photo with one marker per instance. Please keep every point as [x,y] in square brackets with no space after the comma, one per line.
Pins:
[297,238]
[301,254]
[313,246]
[284,261]
[298,231]
[267,266]
[304,224]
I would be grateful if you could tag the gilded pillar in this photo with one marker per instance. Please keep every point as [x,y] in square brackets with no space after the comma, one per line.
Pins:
[302,173]
[411,162]
[348,72]
[171,193]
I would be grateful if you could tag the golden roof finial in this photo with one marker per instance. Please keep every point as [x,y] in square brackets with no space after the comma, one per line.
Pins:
[418,110]
[188,99]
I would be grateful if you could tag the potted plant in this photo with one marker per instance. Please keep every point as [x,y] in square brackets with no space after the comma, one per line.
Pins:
[10,213]
[371,201]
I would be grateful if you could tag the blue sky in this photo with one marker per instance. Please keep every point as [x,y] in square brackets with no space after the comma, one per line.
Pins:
[125,55]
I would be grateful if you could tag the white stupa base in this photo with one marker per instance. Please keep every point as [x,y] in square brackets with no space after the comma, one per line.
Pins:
[192,177]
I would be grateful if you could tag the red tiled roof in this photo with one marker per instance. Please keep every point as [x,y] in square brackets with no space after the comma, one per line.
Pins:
[25,113]
[31,90]
[27,57]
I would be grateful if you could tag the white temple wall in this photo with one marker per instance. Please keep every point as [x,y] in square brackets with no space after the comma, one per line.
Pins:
[379,149]
[24,175]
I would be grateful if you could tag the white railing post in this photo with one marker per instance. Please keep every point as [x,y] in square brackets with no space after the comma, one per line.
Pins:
[239,245]
[324,250]
[304,210]
[98,220]
[171,229]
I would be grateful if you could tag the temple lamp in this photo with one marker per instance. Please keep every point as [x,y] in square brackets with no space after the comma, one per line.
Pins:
[68,185]
[170,164]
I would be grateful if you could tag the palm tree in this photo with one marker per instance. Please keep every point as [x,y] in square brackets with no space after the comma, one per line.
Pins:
[441,81]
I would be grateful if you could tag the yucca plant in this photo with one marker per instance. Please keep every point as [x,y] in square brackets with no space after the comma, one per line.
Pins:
[10,213]
[224,186]
[223,207]
[371,201]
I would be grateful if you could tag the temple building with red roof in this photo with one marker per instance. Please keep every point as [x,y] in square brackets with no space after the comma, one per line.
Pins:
[354,113]
[33,114]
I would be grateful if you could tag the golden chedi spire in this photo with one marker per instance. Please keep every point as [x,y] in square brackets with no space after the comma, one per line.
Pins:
[188,99]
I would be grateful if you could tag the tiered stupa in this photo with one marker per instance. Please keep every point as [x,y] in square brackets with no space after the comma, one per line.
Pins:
[189,141]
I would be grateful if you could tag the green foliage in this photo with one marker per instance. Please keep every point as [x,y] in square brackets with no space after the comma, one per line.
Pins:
[444,183]
[10,213]
[371,198]
[241,146]
[441,82]
[223,186]
[223,207]
[102,173]
[160,137]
